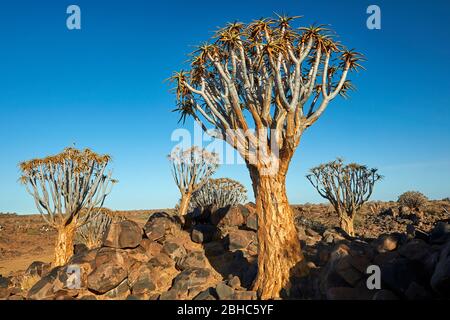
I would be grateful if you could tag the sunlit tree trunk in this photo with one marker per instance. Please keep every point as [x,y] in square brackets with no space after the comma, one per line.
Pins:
[64,244]
[184,204]
[279,247]
[346,223]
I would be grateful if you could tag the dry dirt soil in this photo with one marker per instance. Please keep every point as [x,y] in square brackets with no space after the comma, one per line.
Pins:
[27,238]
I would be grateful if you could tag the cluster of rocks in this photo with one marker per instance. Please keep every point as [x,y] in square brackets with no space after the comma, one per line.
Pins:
[213,254]
[413,265]
[214,258]
[394,219]
[374,218]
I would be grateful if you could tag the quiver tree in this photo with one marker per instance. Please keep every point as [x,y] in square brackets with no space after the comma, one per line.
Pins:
[219,193]
[91,233]
[191,169]
[64,186]
[347,187]
[259,86]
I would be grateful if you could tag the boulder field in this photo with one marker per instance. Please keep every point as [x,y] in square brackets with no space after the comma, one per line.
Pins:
[213,257]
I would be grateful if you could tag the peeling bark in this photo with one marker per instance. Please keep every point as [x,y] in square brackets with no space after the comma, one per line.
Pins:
[184,204]
[64,244]
[279,247]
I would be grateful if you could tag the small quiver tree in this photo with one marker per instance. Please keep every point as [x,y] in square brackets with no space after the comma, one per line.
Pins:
[191,169]
[219,193]
[91,233]
[63,186]
[347,187]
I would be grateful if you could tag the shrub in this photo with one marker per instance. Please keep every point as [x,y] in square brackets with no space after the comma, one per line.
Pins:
[414,200]
[220,193]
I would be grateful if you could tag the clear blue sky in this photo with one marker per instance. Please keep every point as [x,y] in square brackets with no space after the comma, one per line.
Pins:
[103,87]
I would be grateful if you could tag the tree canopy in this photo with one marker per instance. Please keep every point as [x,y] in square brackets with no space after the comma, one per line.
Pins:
[280,77]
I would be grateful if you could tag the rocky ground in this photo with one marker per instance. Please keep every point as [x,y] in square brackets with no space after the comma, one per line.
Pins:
[27,238]
[150,256]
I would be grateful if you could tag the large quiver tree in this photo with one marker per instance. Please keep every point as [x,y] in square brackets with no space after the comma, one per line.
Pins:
[281,79]
[347,187]
[65,185]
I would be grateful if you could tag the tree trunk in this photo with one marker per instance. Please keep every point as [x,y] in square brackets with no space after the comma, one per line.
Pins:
[346,224]
[64,244]
[184,204]
[278,244]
